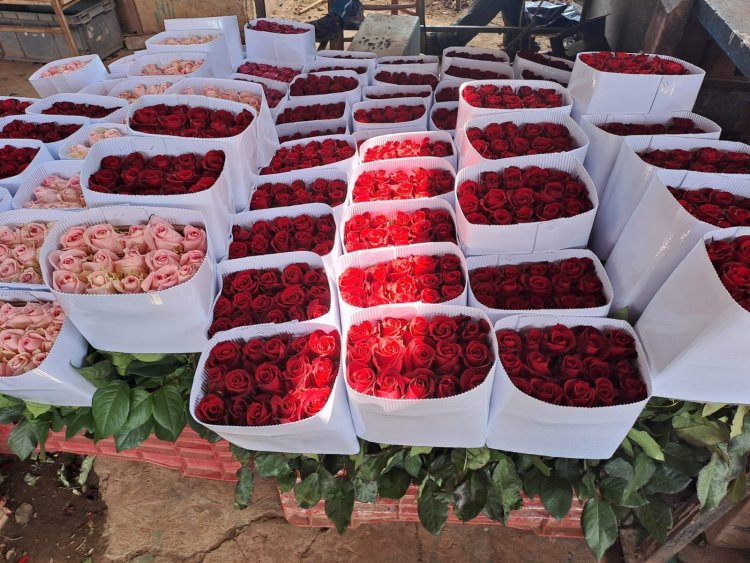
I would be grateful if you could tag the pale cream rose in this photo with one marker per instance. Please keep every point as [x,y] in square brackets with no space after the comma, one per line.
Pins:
[26,255]
[72,197]
[78,151]
[67,282]
[38,358]
[103,236]
[113,134]
[95,136]
[132,264]
[33,234]
[128,284]
[163,278]
[100,283]
[43,195]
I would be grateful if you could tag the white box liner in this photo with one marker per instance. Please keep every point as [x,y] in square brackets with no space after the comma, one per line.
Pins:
[166,321]
[330,431]
[103,88]
[452,422]
[6,200]
[93,71]
[217,51]
[526,238]
[227,25]
[520,423]
[296,48]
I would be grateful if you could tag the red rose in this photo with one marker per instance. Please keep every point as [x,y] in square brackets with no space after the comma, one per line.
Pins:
[258,414]
[579,393]
[546,391]
[210,409]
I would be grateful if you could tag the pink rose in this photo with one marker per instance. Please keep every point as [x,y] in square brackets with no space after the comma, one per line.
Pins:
[128,284]
[195,238]
[57,313]
[35,315]
[9,270]
[39,357]
[102,261]
[51,332]
[193,257]
[185,272]
[67,282]
[20,363]
[73,238]
[68,260]
[9,338]
[8,235]
[159,258]
[135,238]
[30,276]
[72,195]
[5,370]
[132,264]
[43,195]
[31,342]
[26,255]
[104,236]
[163,278]
[33,234]
[160,234]
[100,283]
[4,252]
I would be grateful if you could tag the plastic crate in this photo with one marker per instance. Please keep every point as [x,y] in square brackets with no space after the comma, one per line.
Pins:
[93,24]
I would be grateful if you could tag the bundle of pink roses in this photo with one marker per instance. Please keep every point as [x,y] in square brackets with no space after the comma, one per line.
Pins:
[19,252]
[27,333]
[56,192]
[104,259]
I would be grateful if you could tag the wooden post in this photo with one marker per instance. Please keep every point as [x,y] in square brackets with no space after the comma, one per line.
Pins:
[667,26]
[64,26]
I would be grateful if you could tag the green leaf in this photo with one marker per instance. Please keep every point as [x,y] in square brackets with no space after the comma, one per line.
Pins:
[470,496]
[477,458]
[394,484]
[419,450]
[656,518]
[494,508]
[286,482]
[713,481]
[599,526]
[737,488]
[365,491]
[432,507]
[12,413]
[413,465]
[169,410]
[507,485]
[111,406]
[99,375]
[627,447]
[134,437]
[587,487]
[148,357]
[7,401]
[667,481]
[569,469]
[699,431]
[22,439]
[82,420]
[557,496]
[540,465]
[643,470]
[272,465]
[309,491]
[141,408]
[738,421]
[243,489]
[121,361]
[394,461]
[614,492]
[647,444]
[441,468]
[37,409]
[711,408]
[340,503]
[240,454]
[619,468]
[740,445]
[532,482]
[682,459]
[41,428]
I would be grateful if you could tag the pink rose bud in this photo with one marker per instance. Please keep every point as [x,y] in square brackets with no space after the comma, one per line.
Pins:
[160,234]
[163,278]
[9,235]
[104,236]
[193,258]
[20,363]
[185,273]
[26,255]
[100,283]
[10,338]
[31,342]
[103,260]
[128,284]
[195,238]
[73,238]
[30,276]
[9,270]
[38,358]
[68,260]
[159,258]
[33,234]
[132,264]
[5,370]
[67,282]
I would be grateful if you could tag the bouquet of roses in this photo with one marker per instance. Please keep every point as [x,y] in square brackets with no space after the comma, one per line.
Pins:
[175,67]
[311,133]
[29,330]
[274,96]
[19,251]
[492,96]
[56,192]
[79,151]
[103,259]
[92,111]
[673,126]
[731,260]
[629,63]
[46,131]
[225,94]
[57,70]
[702,159]
[276,27]
[193,39]
[716,207]
[324,84]
[385,93]
[408,148]
[269,195]
[310,154]
[456,70]
[407,78]
[136,174]
[312,112]
[389,113]
[13,106]
[509,139]
[270,71]
[286,291]
[187,121]
[14,160]
[139,90]
[444,118]
[546,60]
[477,55]
[447,93]
[374,183]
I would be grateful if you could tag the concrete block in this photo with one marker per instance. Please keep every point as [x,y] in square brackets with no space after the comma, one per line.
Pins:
[388,35]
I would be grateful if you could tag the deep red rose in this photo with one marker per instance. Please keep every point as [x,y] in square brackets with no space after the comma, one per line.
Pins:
[210,409]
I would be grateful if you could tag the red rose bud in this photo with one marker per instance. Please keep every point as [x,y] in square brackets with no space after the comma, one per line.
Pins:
[314,133]
[46,132]
[380,185]
[675,126]
[377,231]
[474,56]
[278,380]
[407,365]
[275,27]
[705,159]
[13,106]
[407,78]
[447,94]
[308,155]
[573,366]
[271,72]
[316,84]
[731,260]
[522,195]
[312,112]
[504,97]
[445,119]
[393,95]
[284,234]
[474,73]
[717,207]
[357,69]
[507,139]
[14,160]
[86,110]
[528,75]
[330,192]
[389,114]
[403,280]
[627,63]
[408,148]
[276,296]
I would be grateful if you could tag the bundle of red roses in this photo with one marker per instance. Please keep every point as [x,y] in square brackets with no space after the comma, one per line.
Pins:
[491,96]
[415,60]
[579,366]
[474,73]
[474,56]
[321,190]
[14,160]
[571,283]
[447,94]
[528,195]
[445,119]
[284,234]
[308,155]
[705,159]
[544,60]
[267,381]
[425,278]
[731,260]
[186,121]
[529,75]
[407,78]
[92,111]
[393,95]
[390,114]
[418,358]
[628,63]
[675,126]
[508,139]
[316,85]
[135,174]
[298,292]
[271,72]
[381,185]
[408,148]
[357,69]
[276,27]
[48,132]
[315,133]
[312,112]
[717,207]
[368,230]
[13,106]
